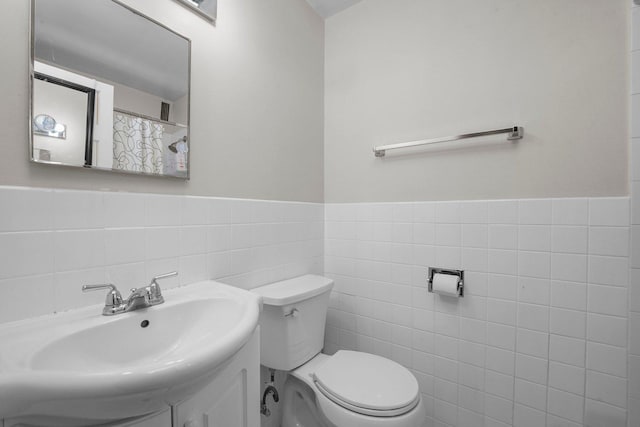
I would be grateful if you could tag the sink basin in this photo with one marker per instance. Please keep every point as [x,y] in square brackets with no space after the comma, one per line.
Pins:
[82,368]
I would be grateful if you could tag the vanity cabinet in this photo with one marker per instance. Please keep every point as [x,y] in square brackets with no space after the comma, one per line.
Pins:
[232,398]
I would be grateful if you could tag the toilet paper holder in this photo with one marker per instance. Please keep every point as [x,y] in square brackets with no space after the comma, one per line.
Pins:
[459,273]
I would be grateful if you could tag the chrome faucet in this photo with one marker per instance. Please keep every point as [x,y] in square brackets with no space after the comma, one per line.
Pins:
[143,297]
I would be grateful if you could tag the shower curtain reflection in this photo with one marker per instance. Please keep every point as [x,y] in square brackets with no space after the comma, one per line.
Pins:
[137,144]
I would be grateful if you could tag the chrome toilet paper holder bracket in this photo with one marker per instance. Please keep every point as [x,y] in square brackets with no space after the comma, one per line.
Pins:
[459,273]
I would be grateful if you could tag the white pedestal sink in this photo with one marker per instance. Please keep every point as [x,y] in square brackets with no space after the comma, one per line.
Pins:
[82,368]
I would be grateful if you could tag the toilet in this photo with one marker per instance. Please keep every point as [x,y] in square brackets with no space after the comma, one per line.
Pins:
[347,389]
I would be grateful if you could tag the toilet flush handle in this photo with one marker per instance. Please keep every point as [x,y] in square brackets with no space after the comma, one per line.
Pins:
[292,313]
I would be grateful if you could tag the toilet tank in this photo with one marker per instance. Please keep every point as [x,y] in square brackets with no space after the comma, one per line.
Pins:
[292,320]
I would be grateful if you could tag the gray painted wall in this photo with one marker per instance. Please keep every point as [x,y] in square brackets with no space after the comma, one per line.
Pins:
[257,104]
[407,70]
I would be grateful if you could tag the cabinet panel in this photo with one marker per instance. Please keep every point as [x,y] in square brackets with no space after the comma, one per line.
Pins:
[232,398]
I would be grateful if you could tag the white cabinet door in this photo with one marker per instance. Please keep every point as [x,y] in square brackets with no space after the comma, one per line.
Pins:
[232,398]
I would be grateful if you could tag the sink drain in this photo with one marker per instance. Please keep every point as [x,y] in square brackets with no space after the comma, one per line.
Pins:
[144,323]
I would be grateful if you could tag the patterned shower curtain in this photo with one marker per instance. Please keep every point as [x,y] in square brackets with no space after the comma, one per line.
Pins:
[137,144]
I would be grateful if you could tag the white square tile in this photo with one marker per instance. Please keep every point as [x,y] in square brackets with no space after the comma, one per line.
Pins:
[634,339]
[553,421]
[40,249]
[635,27]
[475,235]
[500,360]
[634,290]
[635,246]
[163,210]
[448,212]
[471,399]
[533,290]
[503,212]
[424,212]
[67,287]
[502,286]
[635,184]
[609,241]
[473,330]
[124,245]
[569,267]
[634,411]
[607,329]
[535,211]
[501,311]
[566,405]
[125,209]
[609,211]
[26,209]
[606,388]
[635,112]
[37,290]
[471,353]
[402,212]
[220,211]
[607,300]
[218,238]
[566,377]
[601,414]
[503,236]
[127,276]
[475,259]
[569,295]
[193,268]
[499,408]
[499,384]
[531,368]
[571,323]
[608,270]
[501,336]
[570,211]
[571,351]
[534,238]
[195,210]
[569,239]
[525,416]
[531,394]
[448,235]
[78,249]
[423,233]
[449,257]
[471,376]
[533,343]
[607,359]
[474,212]
[77,210]
[634,377]
[162,242]
[534,317]
[503,261]
[534,264]
[469,419]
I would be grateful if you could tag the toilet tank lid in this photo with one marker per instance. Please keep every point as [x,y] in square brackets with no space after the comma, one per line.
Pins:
[294,290]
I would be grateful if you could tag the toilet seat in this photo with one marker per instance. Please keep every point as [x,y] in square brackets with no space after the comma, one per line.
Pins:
[367,384]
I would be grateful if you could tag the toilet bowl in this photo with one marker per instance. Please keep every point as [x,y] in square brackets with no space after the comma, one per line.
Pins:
[346,389]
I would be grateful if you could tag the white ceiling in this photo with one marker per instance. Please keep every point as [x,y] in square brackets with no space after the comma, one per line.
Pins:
[327,8]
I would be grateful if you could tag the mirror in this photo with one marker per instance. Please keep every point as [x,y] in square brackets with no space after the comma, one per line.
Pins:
[208,9]
[110,89]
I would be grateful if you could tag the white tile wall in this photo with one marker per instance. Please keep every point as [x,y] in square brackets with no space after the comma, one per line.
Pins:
[540,337]
[54,241]
[633,296]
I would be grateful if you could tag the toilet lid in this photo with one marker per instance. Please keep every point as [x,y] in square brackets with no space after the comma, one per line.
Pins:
[367,381]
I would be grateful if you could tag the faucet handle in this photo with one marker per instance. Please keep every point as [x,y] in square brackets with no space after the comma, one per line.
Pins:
[154,289]
[113,299]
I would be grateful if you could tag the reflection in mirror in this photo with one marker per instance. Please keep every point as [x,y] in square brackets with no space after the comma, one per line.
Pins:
[110,89]
[208,9]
